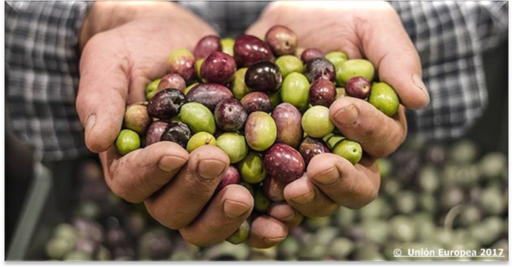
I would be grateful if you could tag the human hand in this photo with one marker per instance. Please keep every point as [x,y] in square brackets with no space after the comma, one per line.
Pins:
[361,30]
[125,46]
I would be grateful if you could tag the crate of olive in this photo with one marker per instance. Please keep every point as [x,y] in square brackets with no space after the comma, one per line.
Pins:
[265,102]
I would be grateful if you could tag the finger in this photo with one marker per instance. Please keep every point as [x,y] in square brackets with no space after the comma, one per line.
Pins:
[305,197]
[387,45]
[221,218]
[266,232]
[286,214]
[102,94]
[182,199]
[139,174]
[378,134]
[345,184]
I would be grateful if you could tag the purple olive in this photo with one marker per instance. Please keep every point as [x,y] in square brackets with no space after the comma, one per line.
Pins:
[256,101]
[311,147]
[282,40]
[230,115]
[311,53]
[322,92]
[263,76]
[288,124]
[231,176]
[284,163]
[319,68]
[172,80]
[166,103]
[249,49]
[208,94]
[219,68]
[358,87]
[273,189]
[207,45]
[155,132]
[177,132]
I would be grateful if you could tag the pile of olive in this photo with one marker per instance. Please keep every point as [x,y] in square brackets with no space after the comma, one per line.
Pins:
[264,101]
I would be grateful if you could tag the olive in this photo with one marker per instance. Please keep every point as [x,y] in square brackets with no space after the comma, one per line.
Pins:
[322,92]
[206,46]
[234,145]
[251,168]
[230,115]
[238,85]
[154,132]
[219,68]
[319,68]
[230,176]
[227,45]
[256,101]
[166,104]
[263,76]
[358,87]
[127,141]
[295,89]
[311,147]
[198,117]
[171,80]
[350,150]
[316,122]
[177,132]
[208,94]
[336,57]
[182,61]
[345,70]
[284,163]
[384,98]
[288,124]
[241,234]
[200,139]
[282,40]
[136,118]
[311,53]
[289,64]
[249,49]
[151,88]
[260,131]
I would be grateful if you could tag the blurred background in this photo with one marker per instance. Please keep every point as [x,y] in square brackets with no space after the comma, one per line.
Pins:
[450,194]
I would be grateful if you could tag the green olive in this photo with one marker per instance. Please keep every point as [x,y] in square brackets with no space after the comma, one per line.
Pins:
[348,69]
[316,122]
[198,117]
[384,98]
[227,45]
[197,65]
[241,234]
[289,64]
[188,88]
[151,88]
[350,150]
[127,141]
[200,139]
[238,86]
[336,57]
[294,90]
[233,144]
[251,168]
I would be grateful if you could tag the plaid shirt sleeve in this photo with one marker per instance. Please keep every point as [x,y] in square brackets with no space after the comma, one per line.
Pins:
[42,63]
[41,53]
[451,38]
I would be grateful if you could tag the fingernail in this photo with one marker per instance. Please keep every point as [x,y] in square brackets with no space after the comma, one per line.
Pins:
[234,209]
[420,84]
[347,115]
[166,163]
[274,240]
[91,120]
[210,168]
[289,217]
[305,199]
[328,177]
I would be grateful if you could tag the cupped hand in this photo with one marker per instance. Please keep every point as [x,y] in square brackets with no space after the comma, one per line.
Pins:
[124,47]
[370,30]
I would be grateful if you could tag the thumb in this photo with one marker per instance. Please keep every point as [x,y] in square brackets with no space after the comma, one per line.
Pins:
[387,45]
[102,95]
